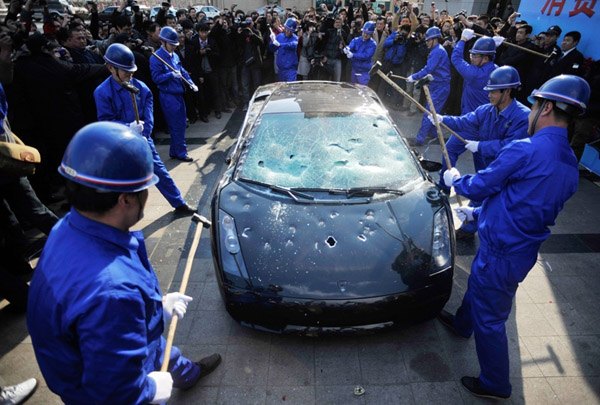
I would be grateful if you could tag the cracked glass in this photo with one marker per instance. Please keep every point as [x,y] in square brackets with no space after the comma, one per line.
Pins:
[327,150]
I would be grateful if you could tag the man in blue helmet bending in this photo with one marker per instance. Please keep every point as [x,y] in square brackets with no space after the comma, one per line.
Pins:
[360,51]
[286,45]
[522,191]
[170,81]
[114,103]
[488,129]
[438,65]
[96,313]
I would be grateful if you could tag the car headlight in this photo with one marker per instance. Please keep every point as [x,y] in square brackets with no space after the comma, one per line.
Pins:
[231,258]
[441,248]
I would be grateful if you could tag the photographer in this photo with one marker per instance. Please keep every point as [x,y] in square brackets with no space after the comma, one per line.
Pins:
[335,40]
[310,37]
[250,48]
[416,58]
[227,43]
[395,46]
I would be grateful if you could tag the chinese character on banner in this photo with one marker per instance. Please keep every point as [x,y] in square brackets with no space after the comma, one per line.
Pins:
[583,6]
[550,4]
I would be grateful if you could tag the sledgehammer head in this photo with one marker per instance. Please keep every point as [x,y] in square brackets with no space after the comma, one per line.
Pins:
[424,81]
[197,218]
[376,66]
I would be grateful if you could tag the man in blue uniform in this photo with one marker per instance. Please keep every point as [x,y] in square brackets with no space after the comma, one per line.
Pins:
[360,52]
[522,190]
[95,312]
[286,45]
[438,65]
[171,89]
[489,128]
[114,103]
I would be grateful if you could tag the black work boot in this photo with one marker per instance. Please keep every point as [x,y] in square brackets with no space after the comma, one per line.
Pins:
[471,384]
[447,319]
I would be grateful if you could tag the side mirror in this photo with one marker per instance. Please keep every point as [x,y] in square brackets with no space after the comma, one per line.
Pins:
[430,165]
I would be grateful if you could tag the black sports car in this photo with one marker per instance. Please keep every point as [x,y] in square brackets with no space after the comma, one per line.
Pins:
[324,220]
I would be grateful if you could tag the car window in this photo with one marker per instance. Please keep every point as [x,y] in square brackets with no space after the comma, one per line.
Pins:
[327,150]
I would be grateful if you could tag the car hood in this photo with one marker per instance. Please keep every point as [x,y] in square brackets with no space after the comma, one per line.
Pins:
[331,251]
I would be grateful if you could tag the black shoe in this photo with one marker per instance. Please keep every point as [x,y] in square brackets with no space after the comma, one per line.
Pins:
[204,118]
[185,158]
[463,235]
[218,115]
[447,319]
[185,209]
[208,364]
[471,384]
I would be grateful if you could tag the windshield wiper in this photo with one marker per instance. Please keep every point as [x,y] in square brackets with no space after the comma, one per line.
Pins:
[294,194]
[366,191]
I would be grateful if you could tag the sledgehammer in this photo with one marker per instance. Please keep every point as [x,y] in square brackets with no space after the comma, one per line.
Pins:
[375,69]
[424,84]
[201,222]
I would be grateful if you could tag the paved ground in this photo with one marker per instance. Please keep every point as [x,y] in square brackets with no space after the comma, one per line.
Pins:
[554,329]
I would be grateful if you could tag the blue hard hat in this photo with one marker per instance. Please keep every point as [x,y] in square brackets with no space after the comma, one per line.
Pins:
[570,93]
[369,27]
[169,35]
[504,77]
[108,156]
[121,57]
[433,32]
[484,46]
[291,24]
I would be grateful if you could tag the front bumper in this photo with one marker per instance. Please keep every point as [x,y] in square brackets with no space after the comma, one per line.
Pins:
[267,310]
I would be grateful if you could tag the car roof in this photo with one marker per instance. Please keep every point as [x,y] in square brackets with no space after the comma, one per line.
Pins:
[319,96]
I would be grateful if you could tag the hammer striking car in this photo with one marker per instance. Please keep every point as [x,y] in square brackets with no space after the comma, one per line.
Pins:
[324,220]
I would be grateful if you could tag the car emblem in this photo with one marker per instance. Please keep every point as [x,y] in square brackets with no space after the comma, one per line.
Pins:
[342,285]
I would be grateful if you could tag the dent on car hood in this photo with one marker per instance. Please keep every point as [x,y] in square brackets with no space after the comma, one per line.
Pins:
[333,251]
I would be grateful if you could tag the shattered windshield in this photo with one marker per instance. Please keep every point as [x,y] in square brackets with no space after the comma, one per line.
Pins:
[327,150]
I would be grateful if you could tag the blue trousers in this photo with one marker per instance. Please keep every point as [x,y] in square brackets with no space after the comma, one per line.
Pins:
[287,75]
[485,308]
[360,77]
[165,184]
[173,107]
[183,371]
[439,97]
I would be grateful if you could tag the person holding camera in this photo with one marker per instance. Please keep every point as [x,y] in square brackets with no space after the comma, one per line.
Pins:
[251,48]
[310,38]
[395,46]
[335,40]
[286,45]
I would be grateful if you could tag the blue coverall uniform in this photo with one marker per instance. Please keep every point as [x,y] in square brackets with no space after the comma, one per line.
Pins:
[287,57]
[113,103]
[171,91]
[475,79]
[523,191]
[95,316]
[363,51]
[438,65]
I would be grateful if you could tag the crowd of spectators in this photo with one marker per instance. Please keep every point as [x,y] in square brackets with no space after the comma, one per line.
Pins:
[51,69]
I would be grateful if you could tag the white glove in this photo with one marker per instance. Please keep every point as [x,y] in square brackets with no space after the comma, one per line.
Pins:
[164,386]
[498,40]
[450,176]
[276,43]
[175,303]
[467,34]
[440,118]
[346,50]
[410,79]
[472,146]
[194,88]
[464,213]
[273,37]
[137,127]
[349,55]
[177,74]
